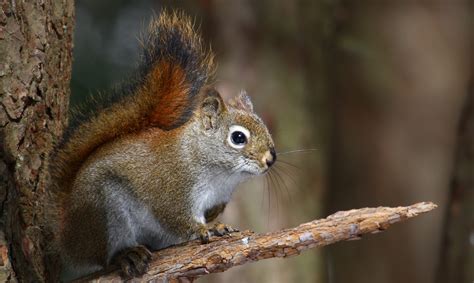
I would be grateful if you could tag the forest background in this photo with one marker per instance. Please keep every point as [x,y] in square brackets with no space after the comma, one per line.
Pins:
[381,90]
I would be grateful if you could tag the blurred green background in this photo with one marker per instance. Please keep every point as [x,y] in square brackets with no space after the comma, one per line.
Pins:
[376,87]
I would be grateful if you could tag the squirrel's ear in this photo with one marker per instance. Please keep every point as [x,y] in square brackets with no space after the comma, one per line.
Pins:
[242,101]
[211,108]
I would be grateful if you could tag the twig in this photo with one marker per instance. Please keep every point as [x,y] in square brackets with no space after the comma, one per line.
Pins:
[191,260]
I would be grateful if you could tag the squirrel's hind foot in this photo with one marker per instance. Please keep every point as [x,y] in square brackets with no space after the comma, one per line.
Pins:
[134,261]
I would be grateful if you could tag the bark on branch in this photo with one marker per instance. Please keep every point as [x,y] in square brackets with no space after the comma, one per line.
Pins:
[191,260]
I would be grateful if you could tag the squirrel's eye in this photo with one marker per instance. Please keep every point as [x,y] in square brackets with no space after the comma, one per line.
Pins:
[238,136]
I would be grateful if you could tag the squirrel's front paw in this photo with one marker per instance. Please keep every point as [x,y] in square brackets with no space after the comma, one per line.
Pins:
[217,229]
[134,261]
[220,229]
[204,234]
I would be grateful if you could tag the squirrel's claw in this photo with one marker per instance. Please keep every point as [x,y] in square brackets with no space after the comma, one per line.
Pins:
[204,234]
[217,229]
[220,229]
[134,261]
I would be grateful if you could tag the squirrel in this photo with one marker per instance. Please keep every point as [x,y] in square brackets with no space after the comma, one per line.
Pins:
[158,164]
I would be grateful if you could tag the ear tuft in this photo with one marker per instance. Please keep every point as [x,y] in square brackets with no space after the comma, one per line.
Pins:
[242,101]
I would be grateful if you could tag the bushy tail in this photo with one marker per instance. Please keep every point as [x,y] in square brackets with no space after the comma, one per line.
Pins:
[174,67]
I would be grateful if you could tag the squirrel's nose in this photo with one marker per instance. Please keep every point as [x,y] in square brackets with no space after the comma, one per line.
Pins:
[270,157]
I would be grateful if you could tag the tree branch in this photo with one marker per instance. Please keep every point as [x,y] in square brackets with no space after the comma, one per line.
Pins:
[191,260]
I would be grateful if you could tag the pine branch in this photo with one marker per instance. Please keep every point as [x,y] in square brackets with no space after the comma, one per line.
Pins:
[191,260]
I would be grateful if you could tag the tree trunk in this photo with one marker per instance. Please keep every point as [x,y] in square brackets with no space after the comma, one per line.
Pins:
[457,257]
[35,71]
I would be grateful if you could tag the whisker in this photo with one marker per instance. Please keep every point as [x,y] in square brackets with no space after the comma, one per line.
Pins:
[288,164]
[265,188]
[296,151]
[282,181]
[282,169]
[285,184]
[269,201]
[275,190]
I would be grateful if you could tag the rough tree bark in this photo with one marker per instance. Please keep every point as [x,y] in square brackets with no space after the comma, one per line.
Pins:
[35,70]
[186,262]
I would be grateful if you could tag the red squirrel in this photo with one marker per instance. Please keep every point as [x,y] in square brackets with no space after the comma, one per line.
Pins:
[157,165]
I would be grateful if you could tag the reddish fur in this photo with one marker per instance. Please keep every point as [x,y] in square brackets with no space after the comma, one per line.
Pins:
[159,103]
[174,101]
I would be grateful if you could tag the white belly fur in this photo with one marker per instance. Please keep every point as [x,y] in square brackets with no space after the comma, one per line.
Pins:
[206,195]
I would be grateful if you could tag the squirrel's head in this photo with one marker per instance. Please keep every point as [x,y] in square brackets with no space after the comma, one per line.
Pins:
[231,136]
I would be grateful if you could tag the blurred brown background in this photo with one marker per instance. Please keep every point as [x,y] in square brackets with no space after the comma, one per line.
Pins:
[377,87]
